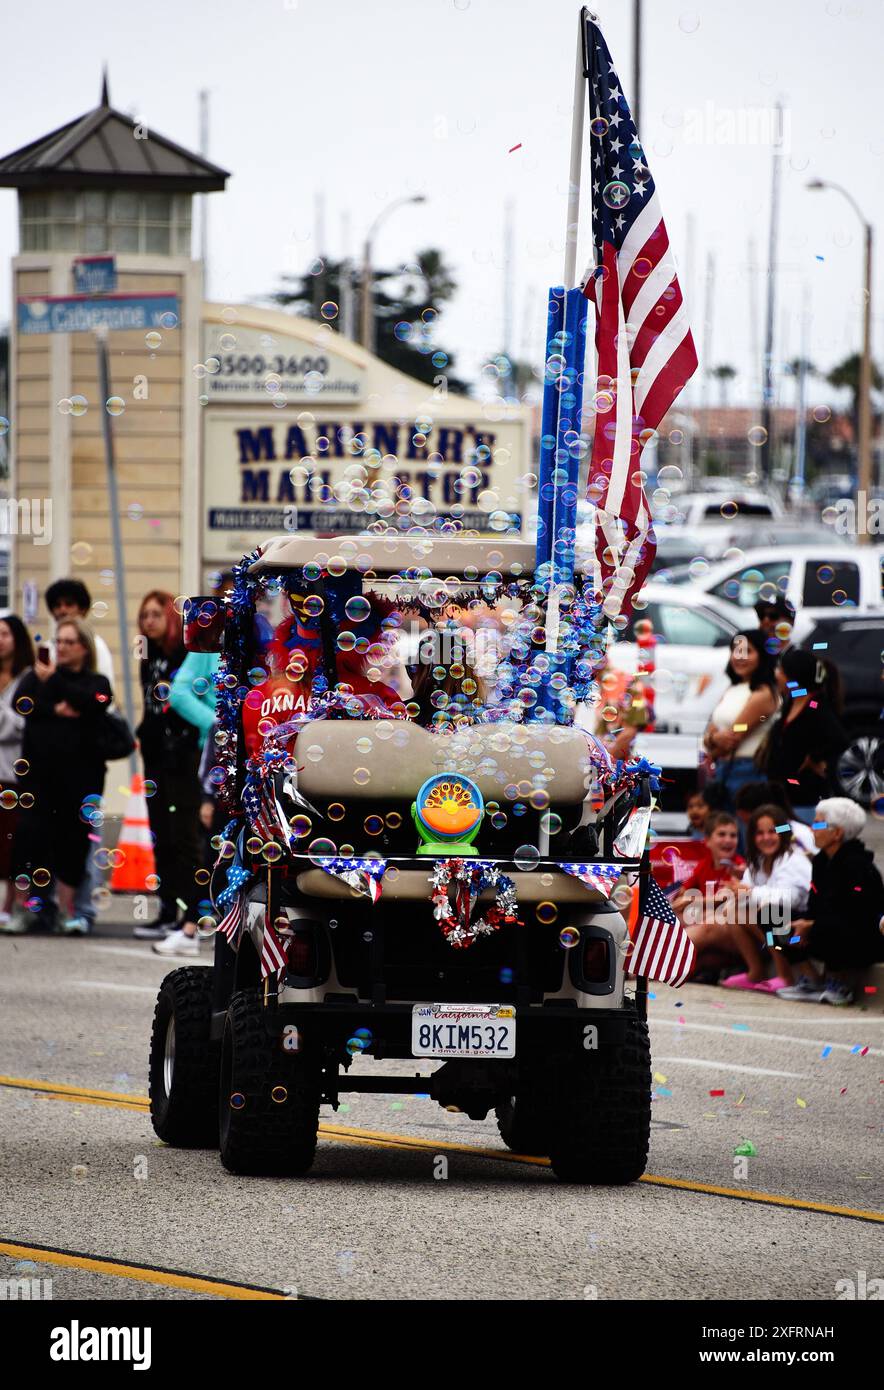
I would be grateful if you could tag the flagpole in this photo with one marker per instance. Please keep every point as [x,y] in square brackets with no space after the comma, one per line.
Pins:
[581,73]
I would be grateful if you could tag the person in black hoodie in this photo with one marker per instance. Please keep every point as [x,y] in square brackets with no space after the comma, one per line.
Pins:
[845,911]
[170,753]
[806,740]
[65,702]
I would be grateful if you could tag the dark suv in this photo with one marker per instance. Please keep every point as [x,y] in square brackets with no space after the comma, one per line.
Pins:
[855,643]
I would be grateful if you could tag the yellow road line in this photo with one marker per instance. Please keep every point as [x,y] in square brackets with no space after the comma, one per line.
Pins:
[62,1088]
[145,1274]
[354,1134]
[767,1198]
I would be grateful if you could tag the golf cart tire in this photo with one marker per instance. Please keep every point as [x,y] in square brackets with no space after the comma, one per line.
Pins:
[602,1119]
[523,1127]
[183,1088]
[260,1136]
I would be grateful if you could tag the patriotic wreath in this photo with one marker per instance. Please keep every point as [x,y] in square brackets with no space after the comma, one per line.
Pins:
[469,880]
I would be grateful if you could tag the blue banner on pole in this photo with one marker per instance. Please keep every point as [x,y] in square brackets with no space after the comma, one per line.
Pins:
[120,312]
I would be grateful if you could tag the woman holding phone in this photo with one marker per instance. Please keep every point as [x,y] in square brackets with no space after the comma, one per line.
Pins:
[64,702]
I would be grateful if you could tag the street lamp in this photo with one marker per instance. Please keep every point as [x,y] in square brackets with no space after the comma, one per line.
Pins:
[367,328]
[865,376]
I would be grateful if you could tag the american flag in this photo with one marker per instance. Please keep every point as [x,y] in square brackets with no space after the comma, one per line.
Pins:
[661,948]
[232,921]
[272,954]
[261,807]
[643,342]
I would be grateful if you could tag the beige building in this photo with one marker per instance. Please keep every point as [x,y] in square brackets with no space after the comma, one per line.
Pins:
[229,423]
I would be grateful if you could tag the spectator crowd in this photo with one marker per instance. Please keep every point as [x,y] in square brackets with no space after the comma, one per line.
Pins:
[783,896]
[775,886]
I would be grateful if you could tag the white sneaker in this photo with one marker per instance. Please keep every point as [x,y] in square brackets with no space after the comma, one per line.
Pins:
[804,991]
[177,943]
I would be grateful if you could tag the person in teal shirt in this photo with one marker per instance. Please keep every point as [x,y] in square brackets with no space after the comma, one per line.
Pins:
[192,697]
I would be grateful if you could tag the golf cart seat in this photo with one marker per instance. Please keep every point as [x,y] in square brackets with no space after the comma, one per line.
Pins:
[385,761]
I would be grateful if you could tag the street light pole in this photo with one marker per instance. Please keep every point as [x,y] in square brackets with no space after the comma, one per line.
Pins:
[864,443]
[366,333]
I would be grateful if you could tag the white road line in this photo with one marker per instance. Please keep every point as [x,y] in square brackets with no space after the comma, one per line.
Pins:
[122,989]
[132,952]
[767,1037]
[729,1066]
[846,1017]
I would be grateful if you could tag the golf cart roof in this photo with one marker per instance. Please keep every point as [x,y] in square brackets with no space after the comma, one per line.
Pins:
[442,555]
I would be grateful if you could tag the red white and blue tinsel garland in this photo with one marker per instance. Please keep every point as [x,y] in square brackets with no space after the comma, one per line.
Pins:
[469,878]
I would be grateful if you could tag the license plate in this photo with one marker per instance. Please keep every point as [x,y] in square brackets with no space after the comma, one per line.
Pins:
[463,1030]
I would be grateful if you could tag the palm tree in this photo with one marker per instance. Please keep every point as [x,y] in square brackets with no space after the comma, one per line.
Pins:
[846,377]
[724,375]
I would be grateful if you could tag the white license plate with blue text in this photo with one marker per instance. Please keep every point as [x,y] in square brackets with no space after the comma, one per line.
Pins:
[463,1030]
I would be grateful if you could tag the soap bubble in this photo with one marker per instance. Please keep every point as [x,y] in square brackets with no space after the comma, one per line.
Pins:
[526,857]
[357,608]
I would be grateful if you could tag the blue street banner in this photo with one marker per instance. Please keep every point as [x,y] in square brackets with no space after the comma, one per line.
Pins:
[95,274]
[75,314]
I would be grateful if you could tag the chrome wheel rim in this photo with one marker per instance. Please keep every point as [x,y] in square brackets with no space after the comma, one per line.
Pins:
[861,768]
[169,1056]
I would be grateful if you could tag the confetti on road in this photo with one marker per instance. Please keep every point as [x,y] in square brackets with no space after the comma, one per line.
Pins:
[740,1027]
[746,1150]
[801,1103]
[826,1050]
[513,148]
[658,1076]
[716,1093]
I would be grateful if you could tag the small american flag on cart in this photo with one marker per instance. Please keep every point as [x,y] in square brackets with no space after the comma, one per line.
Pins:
[660,948]
[232,921]
[272,955]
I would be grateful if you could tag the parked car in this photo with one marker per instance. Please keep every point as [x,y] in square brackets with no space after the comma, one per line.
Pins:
[680,548]
[855,644]
[814,580]
[725,504]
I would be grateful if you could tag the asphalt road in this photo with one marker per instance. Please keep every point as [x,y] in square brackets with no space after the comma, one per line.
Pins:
[409,1201]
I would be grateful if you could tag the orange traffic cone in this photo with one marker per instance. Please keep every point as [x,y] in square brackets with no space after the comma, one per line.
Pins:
[133,858]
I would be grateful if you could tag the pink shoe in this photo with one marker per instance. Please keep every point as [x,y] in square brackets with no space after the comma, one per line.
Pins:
[742,981]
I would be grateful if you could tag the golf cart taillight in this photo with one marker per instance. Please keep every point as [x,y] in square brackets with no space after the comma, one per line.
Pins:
[595,960]
[301,953]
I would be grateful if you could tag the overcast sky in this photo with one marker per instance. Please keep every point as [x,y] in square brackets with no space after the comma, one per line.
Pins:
[364,103]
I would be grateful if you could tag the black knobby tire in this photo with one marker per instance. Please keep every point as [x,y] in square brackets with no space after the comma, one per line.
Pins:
[184,1085]
[523,1125]
[602,1117]
[260,1136]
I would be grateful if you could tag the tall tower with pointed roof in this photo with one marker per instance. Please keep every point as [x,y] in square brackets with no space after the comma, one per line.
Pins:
[105,243]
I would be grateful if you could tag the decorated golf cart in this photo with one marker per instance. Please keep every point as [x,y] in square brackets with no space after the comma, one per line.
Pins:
[420,862]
